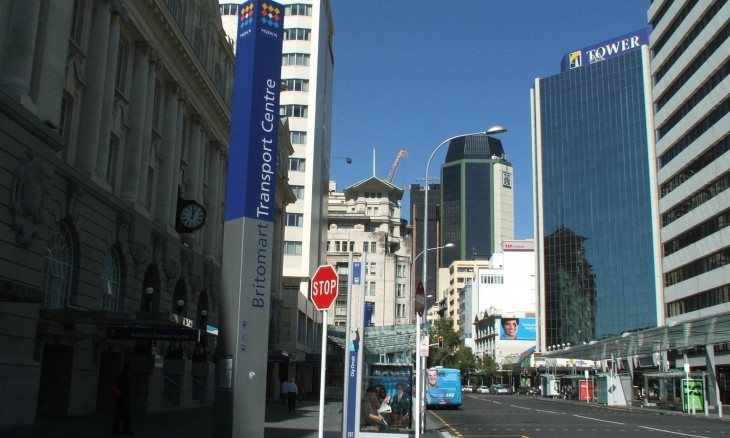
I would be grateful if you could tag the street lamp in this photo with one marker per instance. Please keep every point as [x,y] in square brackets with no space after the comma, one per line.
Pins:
[419,399]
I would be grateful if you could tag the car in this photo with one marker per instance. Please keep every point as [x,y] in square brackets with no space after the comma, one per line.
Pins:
[498,389]
[483,390]
[466,388]
[528,391]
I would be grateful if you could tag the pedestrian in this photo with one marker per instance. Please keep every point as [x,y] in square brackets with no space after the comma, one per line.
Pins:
[284,389]
[300,388]
[292,394]
[122,394]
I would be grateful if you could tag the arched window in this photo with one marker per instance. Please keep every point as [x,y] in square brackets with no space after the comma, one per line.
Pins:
[110,282]
[60,268]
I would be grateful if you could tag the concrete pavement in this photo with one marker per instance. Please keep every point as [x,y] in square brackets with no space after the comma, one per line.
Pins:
[303,423]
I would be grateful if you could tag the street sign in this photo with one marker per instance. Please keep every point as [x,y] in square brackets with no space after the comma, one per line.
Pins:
[420,299]
[324,287]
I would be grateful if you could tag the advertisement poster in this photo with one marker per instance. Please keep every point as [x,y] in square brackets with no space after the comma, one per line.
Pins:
[693,395]
[443,386]
[517,329]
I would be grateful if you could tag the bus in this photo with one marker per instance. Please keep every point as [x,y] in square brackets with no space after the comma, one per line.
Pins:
[443,388]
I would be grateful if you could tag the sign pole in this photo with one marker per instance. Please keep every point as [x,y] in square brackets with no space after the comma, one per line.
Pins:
[323,367]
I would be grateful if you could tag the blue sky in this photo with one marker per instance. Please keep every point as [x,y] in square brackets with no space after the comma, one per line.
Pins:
[409,74]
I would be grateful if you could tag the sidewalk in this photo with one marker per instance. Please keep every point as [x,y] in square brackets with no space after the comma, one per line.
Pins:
[280,423]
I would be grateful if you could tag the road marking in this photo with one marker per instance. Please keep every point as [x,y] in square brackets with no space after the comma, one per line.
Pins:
[445,423]
[549,412]
[670,431]
[521,407]
[597,419]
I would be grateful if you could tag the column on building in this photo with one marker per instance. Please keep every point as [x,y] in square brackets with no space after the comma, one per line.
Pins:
[173,192]
[214,199]
[93,93]
[107,106]
[148,143]
[165,177]
[137,111]
[17,68]
[196,159]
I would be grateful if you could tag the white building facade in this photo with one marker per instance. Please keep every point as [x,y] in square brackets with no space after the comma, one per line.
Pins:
[505,289]
[365,219]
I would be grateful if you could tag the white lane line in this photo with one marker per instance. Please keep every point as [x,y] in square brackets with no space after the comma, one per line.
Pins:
[521,407]
[597,419]
[670,431]
[549,412]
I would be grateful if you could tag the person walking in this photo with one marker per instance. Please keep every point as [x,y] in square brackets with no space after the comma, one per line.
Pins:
[284,390]
[292,391]
[122,394]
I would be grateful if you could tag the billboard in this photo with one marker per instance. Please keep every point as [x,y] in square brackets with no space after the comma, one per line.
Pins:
[605,50]
[517,329]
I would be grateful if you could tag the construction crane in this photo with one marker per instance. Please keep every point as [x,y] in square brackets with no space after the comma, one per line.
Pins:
[394,168]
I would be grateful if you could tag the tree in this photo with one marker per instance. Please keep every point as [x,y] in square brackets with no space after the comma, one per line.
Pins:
[452,342]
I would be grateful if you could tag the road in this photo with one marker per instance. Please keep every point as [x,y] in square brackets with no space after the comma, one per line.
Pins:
[526,416]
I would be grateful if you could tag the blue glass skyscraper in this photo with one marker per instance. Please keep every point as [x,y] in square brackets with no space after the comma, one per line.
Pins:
[595,197]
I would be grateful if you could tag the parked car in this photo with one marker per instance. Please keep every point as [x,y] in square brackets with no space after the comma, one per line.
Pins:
[528,391]
[466,388]
[483,390]
[498,389]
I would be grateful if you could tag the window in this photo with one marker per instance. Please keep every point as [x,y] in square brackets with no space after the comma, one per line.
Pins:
[112,162]
[298,9]
[64,126]
[296,164]
[110,282]
[372,211]
[298,137]
[77,21]
[122,57]
[400,291]
[297,34]
[294,111]
[401,271]
[293,248]
[371,268]
[229,9]
[298,191]
[294,220]
[60,268]
[296,84]
[340,308]
[369,288]
[295,59]
[400,310]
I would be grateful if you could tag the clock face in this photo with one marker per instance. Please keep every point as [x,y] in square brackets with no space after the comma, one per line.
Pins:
[192,215]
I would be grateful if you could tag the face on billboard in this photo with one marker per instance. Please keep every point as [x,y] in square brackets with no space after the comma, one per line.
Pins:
[517,329]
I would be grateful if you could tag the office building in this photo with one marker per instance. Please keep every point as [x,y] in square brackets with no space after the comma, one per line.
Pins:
[691,98]
[365,219]
[596,210]
[306,101]
[477,201]
[504,289]
[115,119]
[417,197]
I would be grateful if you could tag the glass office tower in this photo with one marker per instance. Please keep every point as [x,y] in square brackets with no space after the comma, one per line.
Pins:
[477,203]
[595,202]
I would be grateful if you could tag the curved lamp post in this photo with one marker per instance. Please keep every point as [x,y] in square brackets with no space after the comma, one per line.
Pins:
[419,398]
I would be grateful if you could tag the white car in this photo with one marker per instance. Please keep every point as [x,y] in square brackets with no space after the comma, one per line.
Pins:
[483,390]
[498,389]
[466,388]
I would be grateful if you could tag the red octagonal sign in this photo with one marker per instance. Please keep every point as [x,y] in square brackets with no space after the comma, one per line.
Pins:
[324,287]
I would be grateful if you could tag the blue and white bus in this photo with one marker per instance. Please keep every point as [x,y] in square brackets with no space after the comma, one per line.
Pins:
[443,388]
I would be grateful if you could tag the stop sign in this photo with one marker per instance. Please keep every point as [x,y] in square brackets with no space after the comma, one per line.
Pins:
[324,287]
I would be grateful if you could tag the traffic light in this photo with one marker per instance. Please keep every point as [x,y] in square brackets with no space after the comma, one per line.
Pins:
[441,342]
